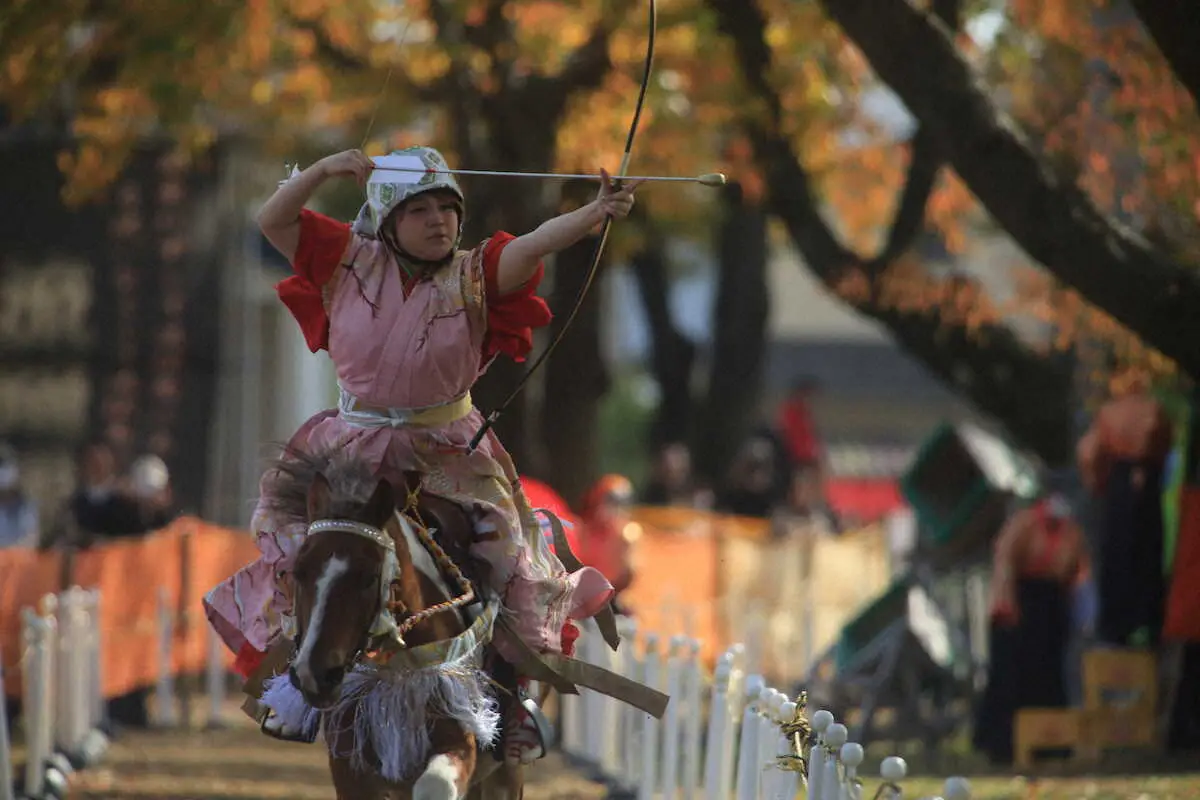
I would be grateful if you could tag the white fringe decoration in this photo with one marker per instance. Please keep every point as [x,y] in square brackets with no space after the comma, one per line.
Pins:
[389,712]
[291,712]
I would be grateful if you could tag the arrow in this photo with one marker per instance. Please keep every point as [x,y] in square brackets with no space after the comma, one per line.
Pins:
[707,179]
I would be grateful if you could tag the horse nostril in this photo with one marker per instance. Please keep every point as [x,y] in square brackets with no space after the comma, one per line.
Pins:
[333,676]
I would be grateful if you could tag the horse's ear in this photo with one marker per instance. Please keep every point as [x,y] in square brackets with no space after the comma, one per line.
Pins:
[382,504]
[318,498]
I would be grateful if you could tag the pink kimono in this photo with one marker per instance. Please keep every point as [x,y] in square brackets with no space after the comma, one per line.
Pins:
[407,346]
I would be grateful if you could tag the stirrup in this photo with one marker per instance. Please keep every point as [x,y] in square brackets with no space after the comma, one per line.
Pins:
[529,719]
[542,724]
[305,735]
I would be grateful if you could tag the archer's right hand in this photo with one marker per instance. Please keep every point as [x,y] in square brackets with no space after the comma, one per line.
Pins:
[348,162]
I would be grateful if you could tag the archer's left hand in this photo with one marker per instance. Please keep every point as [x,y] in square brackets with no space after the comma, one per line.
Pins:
[615,203]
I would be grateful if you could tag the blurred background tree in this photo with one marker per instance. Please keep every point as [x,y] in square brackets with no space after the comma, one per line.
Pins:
[1077,142]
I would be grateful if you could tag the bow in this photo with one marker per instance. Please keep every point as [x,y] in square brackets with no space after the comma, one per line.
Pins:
[599,253]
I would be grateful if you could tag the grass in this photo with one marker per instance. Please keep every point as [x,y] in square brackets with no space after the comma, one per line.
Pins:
[1149,787]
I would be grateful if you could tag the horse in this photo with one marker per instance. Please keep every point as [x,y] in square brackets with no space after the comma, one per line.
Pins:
[390,639]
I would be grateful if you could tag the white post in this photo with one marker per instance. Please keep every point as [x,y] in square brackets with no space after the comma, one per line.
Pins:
[95,650]
[693,699]
[768,741]
[821,721]
[835,737]
[6,773]
[671,727]
[652,677]
[164,691]
[957,789]
[789,782]
[76,645]
[592,702]
[611,716]
[215,679]
[631,718]
[747,762]
[852,756]
[737,696]
[719,739]
[37,673]
[51,608]
[50,704]
[893,769]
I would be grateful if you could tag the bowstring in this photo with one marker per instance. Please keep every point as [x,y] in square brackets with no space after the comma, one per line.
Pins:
[387,79]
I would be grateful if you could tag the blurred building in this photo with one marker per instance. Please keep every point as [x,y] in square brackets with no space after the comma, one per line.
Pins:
[108,314]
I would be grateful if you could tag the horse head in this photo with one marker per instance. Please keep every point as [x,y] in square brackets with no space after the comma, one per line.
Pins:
[339,585]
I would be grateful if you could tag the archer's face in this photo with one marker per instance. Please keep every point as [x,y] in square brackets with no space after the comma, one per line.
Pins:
[427,225]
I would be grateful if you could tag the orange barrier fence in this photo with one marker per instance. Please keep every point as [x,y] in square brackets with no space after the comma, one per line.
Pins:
[180,563]
[696,573]
[725,579]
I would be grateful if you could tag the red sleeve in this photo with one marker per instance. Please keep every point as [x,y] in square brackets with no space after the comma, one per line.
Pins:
[512,316]
[318,255]
[248,660]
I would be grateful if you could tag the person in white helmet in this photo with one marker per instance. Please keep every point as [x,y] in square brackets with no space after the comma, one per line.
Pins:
[411,320]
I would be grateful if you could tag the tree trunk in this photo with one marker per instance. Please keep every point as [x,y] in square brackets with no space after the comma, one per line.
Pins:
[672,355]
[1054,221]
[495,206]
[739,334]
[576,379]
[514,127]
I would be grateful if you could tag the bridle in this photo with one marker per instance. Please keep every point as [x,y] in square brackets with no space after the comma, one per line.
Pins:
[384,631]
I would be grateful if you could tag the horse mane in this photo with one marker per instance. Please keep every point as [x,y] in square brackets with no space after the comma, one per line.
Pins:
[351,482]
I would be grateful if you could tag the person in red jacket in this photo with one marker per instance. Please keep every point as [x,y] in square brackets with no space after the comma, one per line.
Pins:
[602,543]
[1039,556]
[797,427]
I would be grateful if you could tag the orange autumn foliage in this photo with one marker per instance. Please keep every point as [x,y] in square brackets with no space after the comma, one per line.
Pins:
[292,73]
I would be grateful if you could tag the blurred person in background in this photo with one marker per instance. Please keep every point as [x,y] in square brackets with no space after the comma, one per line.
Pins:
[105,507]
[1121,460]
[102,506]
[150,486]
[1039,557]
[804,507]
[757,479]
[797,426]
[18,511]
[672,482]
[607,513]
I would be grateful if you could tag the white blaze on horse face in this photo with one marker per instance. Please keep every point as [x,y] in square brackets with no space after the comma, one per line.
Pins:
[439,781]
[335,568]
[423,560]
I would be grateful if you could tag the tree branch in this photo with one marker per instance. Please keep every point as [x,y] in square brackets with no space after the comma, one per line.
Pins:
[351,62]
[1053,221]
[672,355]
[585,68]
[1175,28]
[991,368]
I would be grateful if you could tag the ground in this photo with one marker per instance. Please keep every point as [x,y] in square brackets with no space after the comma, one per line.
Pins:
[240,763]
[1106,788]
